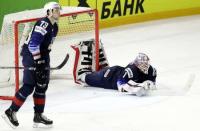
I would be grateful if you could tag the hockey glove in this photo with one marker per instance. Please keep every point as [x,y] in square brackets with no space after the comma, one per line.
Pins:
[149,85]
[41,73]
[132,88]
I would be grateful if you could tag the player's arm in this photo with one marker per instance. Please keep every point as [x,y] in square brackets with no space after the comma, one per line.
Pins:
[36,39]
[126,84]
[138,89]
[122,83]
[153,74]
[150,83]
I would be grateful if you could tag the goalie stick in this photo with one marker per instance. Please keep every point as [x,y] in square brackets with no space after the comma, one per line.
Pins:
[33,68]
[166,90]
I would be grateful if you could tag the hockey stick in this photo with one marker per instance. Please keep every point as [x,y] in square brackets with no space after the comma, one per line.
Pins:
[33,68]
[166,90]
[62,64]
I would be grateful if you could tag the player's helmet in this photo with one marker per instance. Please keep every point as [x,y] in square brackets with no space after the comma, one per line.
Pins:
[142,61]
[50,6]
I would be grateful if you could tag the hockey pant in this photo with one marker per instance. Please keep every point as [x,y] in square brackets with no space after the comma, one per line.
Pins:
[104,78]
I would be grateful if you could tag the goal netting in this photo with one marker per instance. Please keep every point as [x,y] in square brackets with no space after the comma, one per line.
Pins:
[76,24]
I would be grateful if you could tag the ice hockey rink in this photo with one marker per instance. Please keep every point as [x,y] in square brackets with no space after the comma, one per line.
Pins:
[174,48]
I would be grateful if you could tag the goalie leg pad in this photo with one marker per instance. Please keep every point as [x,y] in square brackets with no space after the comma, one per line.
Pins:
[103,61]
[83,59]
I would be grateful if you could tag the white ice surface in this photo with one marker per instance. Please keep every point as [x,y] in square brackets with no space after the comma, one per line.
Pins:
[173,46]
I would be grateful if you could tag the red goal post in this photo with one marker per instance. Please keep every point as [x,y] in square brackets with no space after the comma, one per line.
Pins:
[83,20]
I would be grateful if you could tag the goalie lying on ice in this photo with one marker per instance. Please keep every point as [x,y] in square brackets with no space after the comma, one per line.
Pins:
[137,78]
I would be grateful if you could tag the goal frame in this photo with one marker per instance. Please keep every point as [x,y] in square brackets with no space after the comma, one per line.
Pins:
[16,43]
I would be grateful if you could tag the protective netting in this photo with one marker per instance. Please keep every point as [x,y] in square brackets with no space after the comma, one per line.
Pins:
[76,24]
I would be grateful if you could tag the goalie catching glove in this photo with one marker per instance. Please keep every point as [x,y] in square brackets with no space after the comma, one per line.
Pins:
[138,89]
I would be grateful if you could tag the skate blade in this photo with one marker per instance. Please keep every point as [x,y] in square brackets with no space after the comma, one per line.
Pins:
[5,118]
[41,125]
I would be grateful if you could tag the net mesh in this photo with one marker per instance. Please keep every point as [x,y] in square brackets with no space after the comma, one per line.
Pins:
[76,24]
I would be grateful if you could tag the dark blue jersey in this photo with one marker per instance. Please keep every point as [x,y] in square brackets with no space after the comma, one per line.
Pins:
[131,72]
[41,38]
[38,45]
[109,77]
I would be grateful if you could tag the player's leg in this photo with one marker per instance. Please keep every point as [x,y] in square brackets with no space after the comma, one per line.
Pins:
[39,97]
[95,79]
[19,99]
[21,94]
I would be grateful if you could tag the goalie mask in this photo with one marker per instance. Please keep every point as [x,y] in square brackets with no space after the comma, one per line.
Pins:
[142,61]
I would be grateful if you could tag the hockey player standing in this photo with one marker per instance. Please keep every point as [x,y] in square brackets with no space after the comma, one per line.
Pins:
[35,53]
[137,78]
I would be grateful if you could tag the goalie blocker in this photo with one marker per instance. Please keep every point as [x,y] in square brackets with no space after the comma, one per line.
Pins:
[137,78]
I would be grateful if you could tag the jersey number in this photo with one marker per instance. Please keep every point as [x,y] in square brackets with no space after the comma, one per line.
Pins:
[44,24]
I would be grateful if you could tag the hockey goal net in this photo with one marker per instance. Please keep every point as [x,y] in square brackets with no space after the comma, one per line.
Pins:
[75,24]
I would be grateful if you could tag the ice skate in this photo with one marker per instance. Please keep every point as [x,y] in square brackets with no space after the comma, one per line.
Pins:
[10,118]
[41,121]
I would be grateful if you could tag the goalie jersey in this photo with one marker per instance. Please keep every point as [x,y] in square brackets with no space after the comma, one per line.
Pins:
[110,77]
[41,38]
